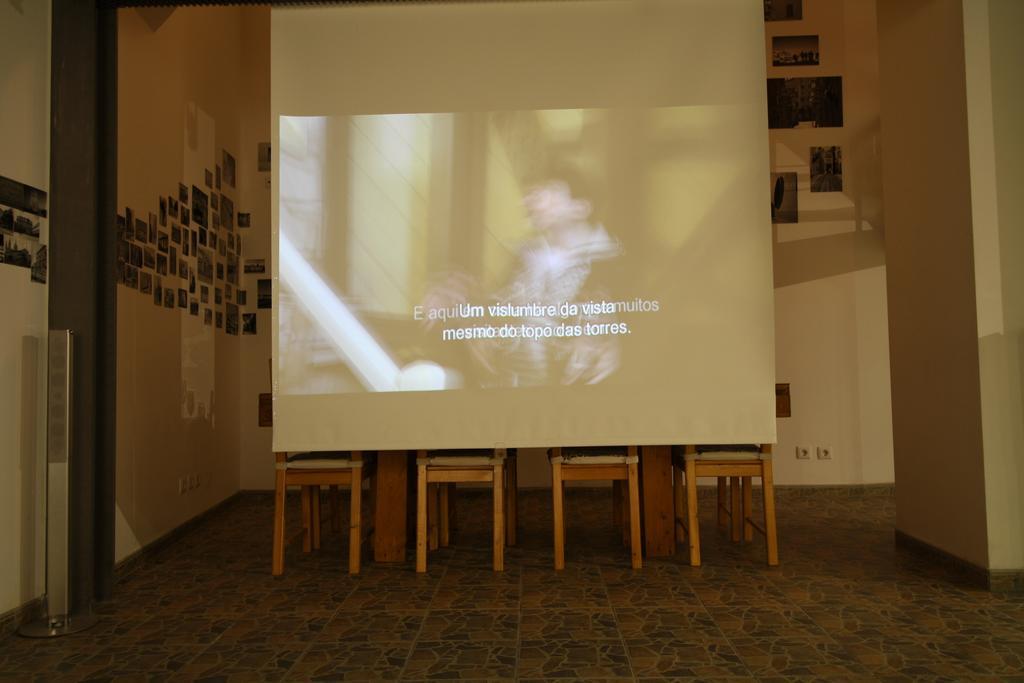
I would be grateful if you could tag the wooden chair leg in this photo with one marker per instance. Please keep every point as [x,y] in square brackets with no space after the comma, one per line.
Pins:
[453,514]
[692,524]
[511,501]
[617,519]
[634,516]
[624,506]
[748,503]
[280,491]
[723,512]
[557,495]
[443,515]
[432,528]
[315,516]
[335,509]
[498,486]
[735,509]
[768,490]
[307,520]
[421,518]
[679,504]
[355,521]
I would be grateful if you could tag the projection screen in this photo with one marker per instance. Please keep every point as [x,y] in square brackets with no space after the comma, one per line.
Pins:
[521,224]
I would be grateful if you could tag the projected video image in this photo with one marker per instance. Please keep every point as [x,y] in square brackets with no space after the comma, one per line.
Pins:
[507,249]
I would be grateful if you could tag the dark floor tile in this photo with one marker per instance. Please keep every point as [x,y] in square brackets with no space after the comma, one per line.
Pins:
[568,623]
[797,657]
[380,626]
[476,597]
[660,623]
[448,660]
[563,595]
[243,662]
[465,625]
[691,656]
[573,659]
[351,662]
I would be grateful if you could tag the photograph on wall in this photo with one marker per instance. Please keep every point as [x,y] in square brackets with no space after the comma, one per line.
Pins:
[240,297]
[231,324]
[795,51]
[231,268]
[135,255]
[17,251]
[204,265]
[784,206]
[163,242]
[244,220]
[783,10]
[216,184]
[805,102]
[175,233]
[255,265]
[263,157]
[145,282]
[263,294]
[161,264]
[220,270]
[131,277]
[193,307]
[183,194]
[22,197]
[152,228]
[248,323]
[149,258]
[141,231]
[204,294]
[229,168]
[182,298]
[158,291]
[214,202]
[826,169]
[208,178]
[227,212]
[168,298]
[218,296]
[163,211]
[231,241]
[172,207]
[200,206]
[39,265]
[238,245]
[186,217]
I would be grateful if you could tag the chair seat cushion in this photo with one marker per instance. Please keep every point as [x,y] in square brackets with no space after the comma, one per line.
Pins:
[593,455]
[463,457]
[320,460]
[723,453]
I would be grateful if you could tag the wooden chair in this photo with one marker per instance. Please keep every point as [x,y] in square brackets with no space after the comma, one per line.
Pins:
[740,463]
[437,472]
[442,513]
[311,471]
[595,463]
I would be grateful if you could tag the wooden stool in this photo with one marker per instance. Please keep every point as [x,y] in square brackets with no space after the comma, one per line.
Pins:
[436,470]
[740,463]
[311,471]
[595,463]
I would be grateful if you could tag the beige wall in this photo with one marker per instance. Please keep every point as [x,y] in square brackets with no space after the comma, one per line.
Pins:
[25,157]
[937,424]
[196,57]
[995,70]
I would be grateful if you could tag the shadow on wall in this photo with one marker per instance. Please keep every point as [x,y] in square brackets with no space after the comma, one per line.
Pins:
[815,258]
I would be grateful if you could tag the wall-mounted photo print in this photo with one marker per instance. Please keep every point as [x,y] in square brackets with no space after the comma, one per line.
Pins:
[248,323]
[795,51]
[255,265]
[244,220]
[805,102]
[784,206]
[231,322]
[263,294]
[263,157]
[208,179]
[229,168]
[826,169]
[204,265]
[200,207]
[783,10]
[182,193]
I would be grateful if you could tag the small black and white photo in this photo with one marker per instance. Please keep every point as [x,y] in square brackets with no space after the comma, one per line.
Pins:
[214,201]
[163,242]
[175,233]
[222,249]
[182,298]
[248,323]
[244,219]
[209,179]
[28,225]
[183,194]
[263,157]
[240,297]
[39,265]
[22,197]
[119,226]
[231,323]
[152,228]
[826,169]
[204,294]
[131,277]
[135,255]
[227,212]
[204,265]
[172,259]
[145,282]
[214,241]
[172,208]
[17,250]
[238,245]
[220,320]
[255,265]
[163,211]
[231,241]
[149,258]
[232,269]
[158,291]
[218,296]
[784,199]
[168,298]
[200,204]
[805,102]
[186,217]
[795,51]
[161,264]
[220,270]
[263,294]
[193,307]
[216,183]
[129,219]
[229,168]
[203,232]
[783,10]
[141,231]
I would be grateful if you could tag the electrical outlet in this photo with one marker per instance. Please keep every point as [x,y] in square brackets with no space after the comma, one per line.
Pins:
[803,452]
[824,452]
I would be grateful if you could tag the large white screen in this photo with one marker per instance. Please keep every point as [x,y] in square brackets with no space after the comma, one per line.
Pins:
[521,224]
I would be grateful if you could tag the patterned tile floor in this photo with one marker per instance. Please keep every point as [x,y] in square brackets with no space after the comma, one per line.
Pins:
[844,605]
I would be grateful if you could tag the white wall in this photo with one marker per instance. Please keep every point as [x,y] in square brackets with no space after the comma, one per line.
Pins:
[25,156]
[183,92]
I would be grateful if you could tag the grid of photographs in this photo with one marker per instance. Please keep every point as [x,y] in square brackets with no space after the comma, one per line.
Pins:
[23,232]
[184,251]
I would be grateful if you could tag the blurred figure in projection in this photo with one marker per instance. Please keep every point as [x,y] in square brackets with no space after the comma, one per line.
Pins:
[554,266]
